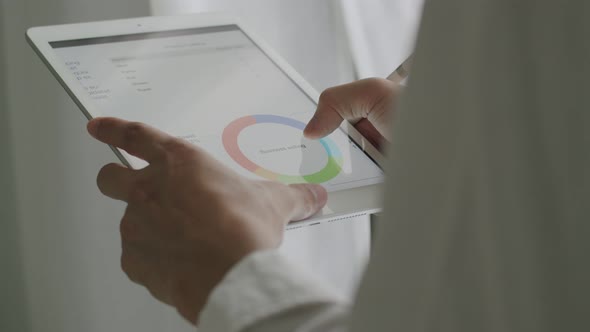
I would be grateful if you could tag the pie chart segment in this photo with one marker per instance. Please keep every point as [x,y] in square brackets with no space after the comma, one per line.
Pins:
[231,135]
[279,120]
[230,142]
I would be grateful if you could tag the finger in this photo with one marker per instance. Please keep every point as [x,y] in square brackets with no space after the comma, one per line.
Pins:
[141,265]
[326,119]
[304,200]
[136,138]
[354,101]
[116,181]
[132,264]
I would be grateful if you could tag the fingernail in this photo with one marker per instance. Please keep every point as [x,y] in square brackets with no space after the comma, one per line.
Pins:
[92,127]
[310,128]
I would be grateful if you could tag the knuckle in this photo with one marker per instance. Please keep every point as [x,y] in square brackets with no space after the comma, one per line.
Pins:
[105,126]
[218,203]
[133,132]
[174,149]
[104,175]
[172,145]
[105,169]
[127,266]
[382,94]
[307,198]
[127,229]
[177,155]
[327,96]
[138,193]
[380,86]
[377,82]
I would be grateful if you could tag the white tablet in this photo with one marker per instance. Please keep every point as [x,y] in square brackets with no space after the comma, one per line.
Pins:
[207,79]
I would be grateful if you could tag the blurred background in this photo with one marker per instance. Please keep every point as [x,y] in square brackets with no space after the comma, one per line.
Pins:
[59,240]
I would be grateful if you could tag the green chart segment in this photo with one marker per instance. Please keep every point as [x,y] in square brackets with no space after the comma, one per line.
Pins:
[230,142]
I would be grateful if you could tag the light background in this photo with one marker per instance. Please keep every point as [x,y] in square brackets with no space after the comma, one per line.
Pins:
[59,241]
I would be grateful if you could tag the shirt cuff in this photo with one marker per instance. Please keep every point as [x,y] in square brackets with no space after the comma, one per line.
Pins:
[261,285]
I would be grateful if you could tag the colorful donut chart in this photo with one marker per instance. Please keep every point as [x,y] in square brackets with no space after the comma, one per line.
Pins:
[230,143]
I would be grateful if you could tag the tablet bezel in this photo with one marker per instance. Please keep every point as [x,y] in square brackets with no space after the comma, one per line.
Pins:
[341,204]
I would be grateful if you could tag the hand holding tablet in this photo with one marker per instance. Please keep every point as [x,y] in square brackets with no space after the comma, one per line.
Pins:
[368,103]
[189,218]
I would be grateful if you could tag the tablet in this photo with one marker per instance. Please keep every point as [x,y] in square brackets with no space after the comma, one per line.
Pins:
[209,80]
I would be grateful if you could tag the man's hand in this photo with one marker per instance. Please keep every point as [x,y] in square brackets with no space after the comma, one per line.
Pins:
[367,103]
[189,219]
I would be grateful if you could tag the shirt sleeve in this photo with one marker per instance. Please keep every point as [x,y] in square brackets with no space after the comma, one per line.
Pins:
[266,292]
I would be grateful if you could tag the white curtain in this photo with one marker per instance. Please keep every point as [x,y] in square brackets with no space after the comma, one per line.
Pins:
[381,33]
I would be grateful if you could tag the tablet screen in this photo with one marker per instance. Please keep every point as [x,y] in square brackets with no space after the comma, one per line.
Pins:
[217,89]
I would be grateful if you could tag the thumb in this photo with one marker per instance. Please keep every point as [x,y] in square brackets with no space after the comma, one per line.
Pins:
[306,200]
[368,98]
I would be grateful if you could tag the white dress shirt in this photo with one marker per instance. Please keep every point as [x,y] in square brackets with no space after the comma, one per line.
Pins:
[487,222]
